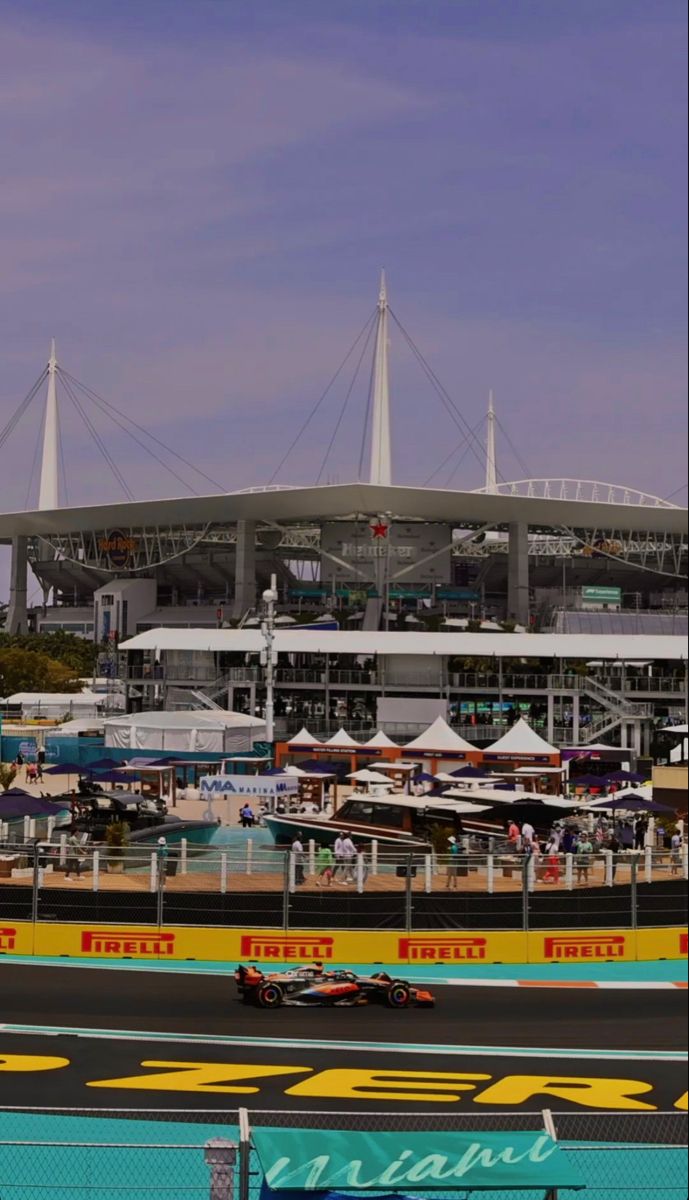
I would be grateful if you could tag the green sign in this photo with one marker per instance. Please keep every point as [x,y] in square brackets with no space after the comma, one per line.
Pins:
[602,595]
[344,1159]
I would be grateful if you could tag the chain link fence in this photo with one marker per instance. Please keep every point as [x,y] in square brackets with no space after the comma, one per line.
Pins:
[266,887]
[122,1154]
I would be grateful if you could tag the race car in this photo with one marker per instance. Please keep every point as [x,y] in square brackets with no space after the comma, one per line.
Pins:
[316,987]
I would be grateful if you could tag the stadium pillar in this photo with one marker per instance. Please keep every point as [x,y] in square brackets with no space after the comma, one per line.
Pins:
[245,568]
[17,617]
[518,574]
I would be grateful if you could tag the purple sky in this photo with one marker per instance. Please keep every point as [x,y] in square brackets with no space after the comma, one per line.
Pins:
[197,199]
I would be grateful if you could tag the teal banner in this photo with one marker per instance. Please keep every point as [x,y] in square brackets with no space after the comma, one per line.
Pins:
[347,1160]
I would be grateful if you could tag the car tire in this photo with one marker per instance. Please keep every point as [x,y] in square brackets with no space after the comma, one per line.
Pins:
[398,995]
[269,995]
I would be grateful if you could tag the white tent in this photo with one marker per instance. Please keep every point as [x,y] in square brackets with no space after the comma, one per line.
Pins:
[439,736]
[521,739]
[58,704]
[191,731]
[342,738]
[381,739]
[366,776]
[304,738]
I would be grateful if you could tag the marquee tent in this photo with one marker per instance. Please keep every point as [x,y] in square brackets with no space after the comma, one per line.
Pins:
[442,745]
[522,745]
[189,731]
[342,738]
[304,738]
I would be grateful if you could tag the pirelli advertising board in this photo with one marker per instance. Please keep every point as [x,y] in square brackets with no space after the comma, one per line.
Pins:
[342,946]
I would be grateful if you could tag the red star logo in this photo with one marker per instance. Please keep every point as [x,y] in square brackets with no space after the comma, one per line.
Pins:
[379,529]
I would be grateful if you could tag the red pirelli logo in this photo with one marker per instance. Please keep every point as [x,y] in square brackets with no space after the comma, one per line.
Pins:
[271,946]
[610,945]
[8,939]
[683,942]
[116,941]
[448,948]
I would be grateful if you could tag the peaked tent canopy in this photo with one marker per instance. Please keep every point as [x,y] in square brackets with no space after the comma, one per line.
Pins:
[342,738]
[440,737]
[382,739]
[522,739]
[366,776]
[304,738]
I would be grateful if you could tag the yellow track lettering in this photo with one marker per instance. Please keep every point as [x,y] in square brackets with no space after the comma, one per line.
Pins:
[682,1102]
[350,1084]
[587,1092]
[31,1062]
[198,1077]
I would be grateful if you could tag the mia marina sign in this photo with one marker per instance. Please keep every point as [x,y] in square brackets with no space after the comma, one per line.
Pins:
[248,785]
[299,1160]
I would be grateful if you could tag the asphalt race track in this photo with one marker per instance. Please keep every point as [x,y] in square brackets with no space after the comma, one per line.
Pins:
[132,1039]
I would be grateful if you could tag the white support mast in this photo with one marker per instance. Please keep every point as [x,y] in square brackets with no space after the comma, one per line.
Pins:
[48,491]
[491,463]
[381,465]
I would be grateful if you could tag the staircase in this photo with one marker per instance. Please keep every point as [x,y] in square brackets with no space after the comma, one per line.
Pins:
[616,710]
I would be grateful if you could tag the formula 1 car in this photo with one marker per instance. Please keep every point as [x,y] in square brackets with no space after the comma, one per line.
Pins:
[315,987]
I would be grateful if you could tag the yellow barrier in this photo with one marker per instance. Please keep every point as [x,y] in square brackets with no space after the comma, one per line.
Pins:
[179,943]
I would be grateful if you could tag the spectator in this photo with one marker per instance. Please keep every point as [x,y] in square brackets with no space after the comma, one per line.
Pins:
[453,863]
[514,837]
[675,853]
[246,816]
[298,858]
[528,835]
[75,853]
[339,855]
[583,857]
[348,857]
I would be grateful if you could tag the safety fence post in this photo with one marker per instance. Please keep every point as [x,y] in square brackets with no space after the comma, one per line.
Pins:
[569,872]
[249,856]
[36,884]
[244,1153]
[359,871]
[184,845]
[220,1155]
[428,873]
[312,856]
[609,863]
[223,873]
[292,871]
[685,861]
[648,854]
[633,894]
[490,874]
[286,877]
[374,857]
[153,873]
[63,849]
[407,896]
[525,893]
[160,866]
[96,870]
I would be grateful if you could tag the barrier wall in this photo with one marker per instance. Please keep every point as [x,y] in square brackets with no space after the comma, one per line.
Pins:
[179,942]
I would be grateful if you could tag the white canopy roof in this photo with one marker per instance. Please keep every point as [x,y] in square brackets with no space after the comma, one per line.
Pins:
[439,736]
[191,718]
[304,738]
[381,739]
[522,739]
[342,738]
[606,647]
[366,776]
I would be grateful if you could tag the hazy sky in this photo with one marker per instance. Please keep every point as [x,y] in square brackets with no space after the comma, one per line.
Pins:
[197,199]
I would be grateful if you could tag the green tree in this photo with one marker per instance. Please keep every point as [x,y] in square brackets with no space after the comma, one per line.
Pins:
[64,647]
[31,671]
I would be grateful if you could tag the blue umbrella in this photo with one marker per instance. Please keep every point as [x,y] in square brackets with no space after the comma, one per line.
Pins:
[68,768]
[116,776]
[104,764]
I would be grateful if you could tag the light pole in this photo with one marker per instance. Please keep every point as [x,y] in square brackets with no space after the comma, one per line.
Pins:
[268,654]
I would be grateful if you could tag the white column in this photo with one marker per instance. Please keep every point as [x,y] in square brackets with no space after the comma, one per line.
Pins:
[96,870]
[48,491]
[381,458]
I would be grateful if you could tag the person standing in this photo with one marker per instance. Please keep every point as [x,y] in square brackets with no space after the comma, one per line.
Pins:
[75,854]
[514,837]
[339,855]
[675,852]
[528,834]
[452,863]
[348,857]
[583,857]
[298,858]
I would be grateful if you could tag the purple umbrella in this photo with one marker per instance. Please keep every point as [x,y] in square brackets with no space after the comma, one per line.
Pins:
[630,802]
[626,777]
[469,773]
[104,764]
[587,781]
[68,768]
[21,804]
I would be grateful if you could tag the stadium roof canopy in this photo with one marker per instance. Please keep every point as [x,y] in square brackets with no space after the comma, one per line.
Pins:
[605,647]
[333,501]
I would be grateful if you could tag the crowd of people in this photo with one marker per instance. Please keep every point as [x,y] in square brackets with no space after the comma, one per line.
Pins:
[342,864]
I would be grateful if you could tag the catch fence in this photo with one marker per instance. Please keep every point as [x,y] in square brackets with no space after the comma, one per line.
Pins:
[132,1154]
[267,888]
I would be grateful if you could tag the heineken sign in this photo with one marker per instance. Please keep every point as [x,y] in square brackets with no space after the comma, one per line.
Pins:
[300,1160]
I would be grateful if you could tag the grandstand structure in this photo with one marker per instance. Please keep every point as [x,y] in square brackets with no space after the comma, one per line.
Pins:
[572,556]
